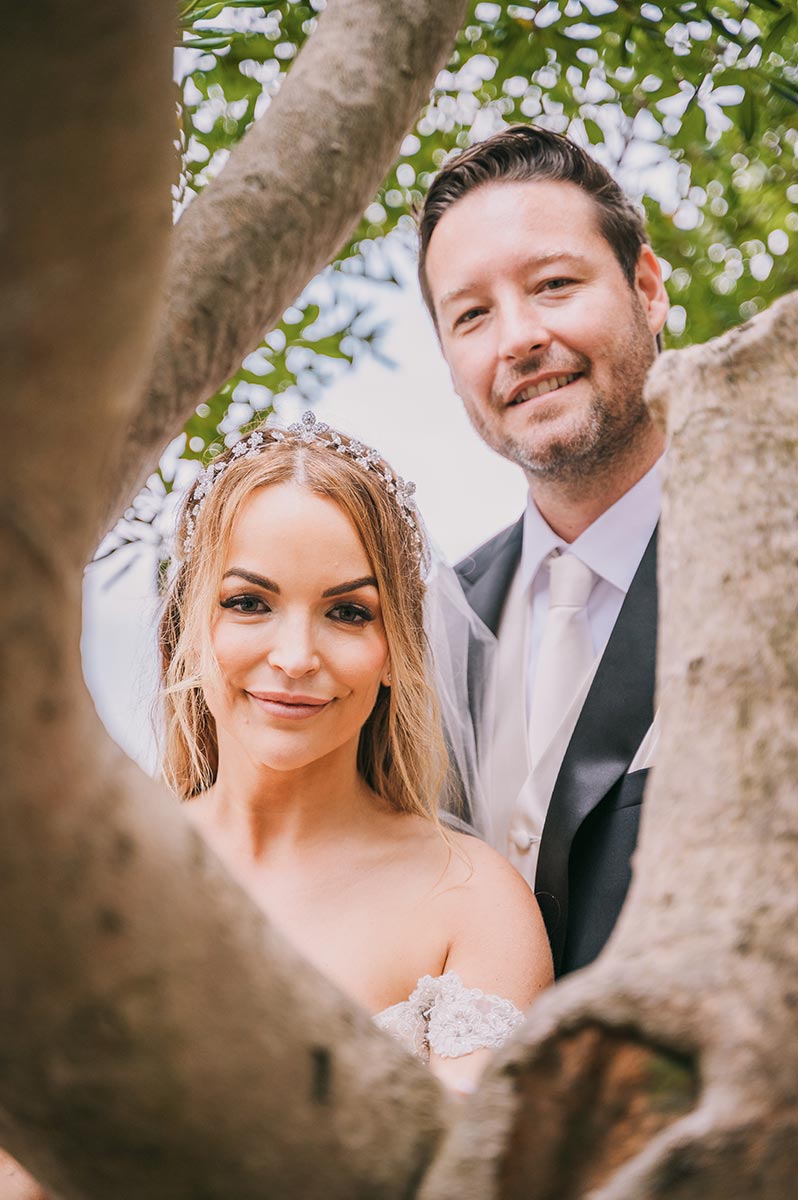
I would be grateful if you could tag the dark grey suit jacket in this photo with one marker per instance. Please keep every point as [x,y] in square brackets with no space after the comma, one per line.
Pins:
[584,866]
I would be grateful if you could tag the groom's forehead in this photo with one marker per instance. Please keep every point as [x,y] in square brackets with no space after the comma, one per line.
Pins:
[508,223]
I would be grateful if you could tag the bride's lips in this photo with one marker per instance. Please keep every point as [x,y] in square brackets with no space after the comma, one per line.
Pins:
[289,706]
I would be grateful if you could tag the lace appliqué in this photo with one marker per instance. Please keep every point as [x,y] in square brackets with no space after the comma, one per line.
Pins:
[444,1016]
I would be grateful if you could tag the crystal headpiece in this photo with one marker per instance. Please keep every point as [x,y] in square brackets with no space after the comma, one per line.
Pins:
[308,432]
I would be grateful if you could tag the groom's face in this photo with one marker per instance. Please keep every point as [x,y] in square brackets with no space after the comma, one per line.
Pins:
[547,341]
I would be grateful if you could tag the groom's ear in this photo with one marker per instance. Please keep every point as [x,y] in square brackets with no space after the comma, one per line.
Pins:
[651,290]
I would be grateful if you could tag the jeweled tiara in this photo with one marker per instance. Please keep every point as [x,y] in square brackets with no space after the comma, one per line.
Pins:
[308,432]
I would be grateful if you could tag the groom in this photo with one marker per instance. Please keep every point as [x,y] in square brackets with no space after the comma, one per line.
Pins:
[548,302]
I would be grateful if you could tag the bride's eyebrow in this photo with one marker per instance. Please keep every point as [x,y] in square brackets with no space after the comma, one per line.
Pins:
[268,585]
[259,580]
[341,589]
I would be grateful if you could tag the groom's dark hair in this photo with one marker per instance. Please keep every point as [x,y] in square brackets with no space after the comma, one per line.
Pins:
[521,154]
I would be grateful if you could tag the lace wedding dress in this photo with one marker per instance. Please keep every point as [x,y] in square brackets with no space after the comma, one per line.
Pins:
[444,1016]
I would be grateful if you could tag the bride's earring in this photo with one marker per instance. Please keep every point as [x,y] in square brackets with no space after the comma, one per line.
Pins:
[388,680]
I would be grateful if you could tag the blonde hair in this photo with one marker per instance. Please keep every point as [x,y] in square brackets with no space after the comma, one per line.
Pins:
[401,752]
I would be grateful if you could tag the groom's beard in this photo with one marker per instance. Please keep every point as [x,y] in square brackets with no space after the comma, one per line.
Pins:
[564,446]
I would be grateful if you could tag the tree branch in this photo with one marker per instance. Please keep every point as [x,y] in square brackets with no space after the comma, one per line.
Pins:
[286,200]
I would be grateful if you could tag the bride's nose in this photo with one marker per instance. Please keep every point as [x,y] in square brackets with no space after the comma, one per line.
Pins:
[293,646]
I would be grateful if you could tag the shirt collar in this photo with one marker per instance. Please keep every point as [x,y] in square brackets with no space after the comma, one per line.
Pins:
[612,546]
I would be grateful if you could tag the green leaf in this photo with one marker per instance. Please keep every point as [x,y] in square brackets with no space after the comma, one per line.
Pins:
[778,31]
[784,90]
[194,42]
[694,124]
[745,115]
[206,12]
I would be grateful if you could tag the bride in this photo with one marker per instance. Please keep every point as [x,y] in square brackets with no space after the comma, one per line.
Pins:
[302,732]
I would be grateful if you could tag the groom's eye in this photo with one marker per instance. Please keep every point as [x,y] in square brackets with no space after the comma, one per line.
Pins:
[468,315]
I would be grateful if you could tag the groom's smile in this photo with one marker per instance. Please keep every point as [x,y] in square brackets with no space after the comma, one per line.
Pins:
[544,386]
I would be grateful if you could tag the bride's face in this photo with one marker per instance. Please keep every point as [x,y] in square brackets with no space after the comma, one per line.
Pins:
[298,632]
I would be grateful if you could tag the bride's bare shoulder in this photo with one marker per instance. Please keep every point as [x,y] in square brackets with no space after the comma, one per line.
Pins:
[481,868]
[467,865]
[498,939]
[467,871]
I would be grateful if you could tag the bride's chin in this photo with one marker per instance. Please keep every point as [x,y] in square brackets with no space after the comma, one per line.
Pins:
[278,751]
[284,760]
[286,764]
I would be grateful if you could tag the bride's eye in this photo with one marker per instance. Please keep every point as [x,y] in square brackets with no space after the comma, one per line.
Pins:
[248,605]
[351,614]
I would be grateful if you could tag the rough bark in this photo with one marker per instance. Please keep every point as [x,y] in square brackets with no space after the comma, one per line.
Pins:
[289,196]
[669,1068]
[156,1038]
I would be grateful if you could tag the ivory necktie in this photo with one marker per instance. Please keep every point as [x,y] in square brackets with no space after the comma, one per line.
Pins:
[566,650]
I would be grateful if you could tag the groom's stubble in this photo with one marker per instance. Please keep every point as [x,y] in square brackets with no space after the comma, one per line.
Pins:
[599,437]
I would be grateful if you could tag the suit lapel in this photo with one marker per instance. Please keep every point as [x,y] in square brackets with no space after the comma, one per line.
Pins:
[618,710]
[487,575]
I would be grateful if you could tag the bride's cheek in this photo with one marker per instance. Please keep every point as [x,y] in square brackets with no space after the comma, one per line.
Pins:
[235,648]
[372,666]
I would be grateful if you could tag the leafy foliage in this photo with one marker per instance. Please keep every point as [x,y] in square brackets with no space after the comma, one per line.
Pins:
[231,63]
[692,103]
